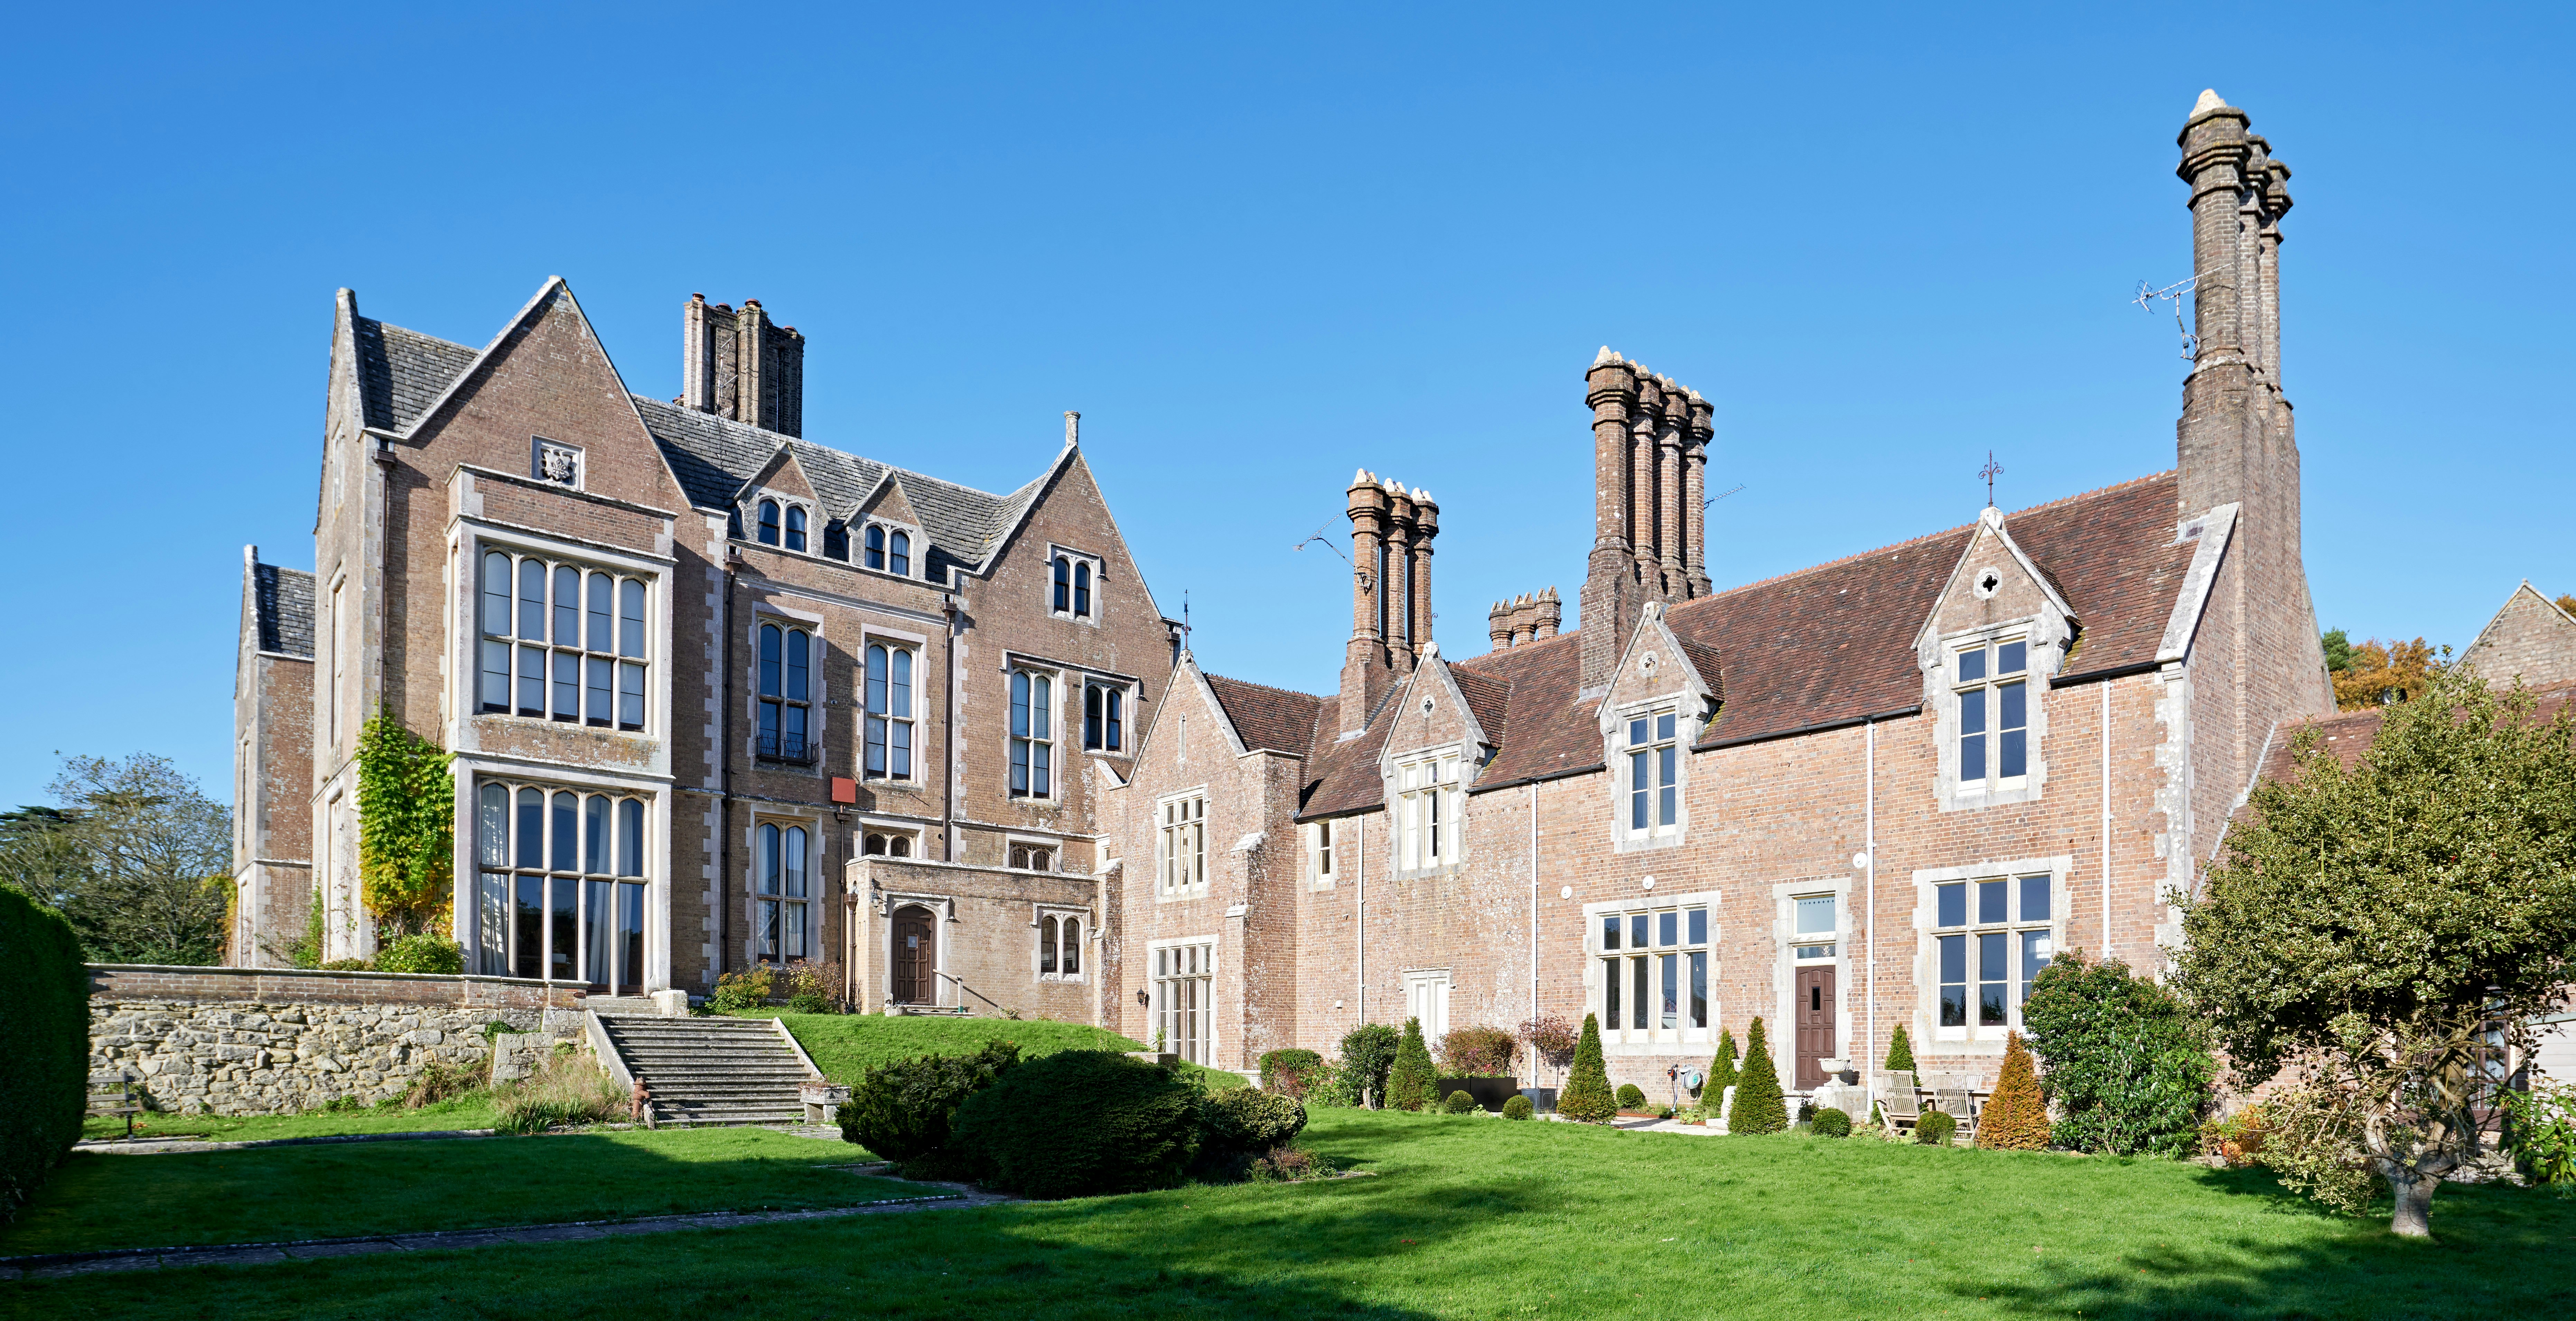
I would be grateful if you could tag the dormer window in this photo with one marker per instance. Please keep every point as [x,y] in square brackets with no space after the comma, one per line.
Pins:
[1072,577]
[796,527]
[767,526]
[899,554]
[1654,773]
[1429,806]
[1993,686]
[888,549]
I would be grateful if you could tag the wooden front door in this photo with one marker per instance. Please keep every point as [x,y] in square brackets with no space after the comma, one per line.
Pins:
[913,963]
[1815,1020]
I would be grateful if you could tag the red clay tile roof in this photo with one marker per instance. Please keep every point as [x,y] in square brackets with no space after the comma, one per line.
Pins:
[2348,734]
[1485,697]
[1268,718]
[1822,646]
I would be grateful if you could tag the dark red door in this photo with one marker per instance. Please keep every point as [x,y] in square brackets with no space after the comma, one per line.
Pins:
[912,962]
[1815,1019]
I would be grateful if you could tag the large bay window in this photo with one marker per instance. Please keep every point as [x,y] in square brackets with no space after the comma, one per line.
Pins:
[1180,848]
[888,698]
[561,641]
[1184,979]
[783,930]
[560,888]
[1654,967]
[1429,805]
[1990,936]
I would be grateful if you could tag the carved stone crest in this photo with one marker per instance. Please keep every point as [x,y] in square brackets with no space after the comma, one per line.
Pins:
[560,464]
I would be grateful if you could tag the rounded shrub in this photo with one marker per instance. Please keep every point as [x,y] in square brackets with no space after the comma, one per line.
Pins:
[1081,1123]
[1631,1096]
[1248,1120]
[906,1110]
[1368,1053]
[1458,1103]
[422,953]
[1830,1123]
[1518,1107]
[1287,1070]
[1935,1128]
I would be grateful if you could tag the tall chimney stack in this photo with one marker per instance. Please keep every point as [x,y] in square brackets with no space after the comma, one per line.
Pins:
[740,365]
[1366,671]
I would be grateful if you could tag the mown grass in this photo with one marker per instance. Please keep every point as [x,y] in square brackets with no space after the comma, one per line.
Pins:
[846,1045]
[473,1110]
[114,1201]
[1471,1217]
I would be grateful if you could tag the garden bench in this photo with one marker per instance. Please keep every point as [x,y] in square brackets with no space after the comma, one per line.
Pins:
[120,1101]
[1959,1105]
[1898,1105]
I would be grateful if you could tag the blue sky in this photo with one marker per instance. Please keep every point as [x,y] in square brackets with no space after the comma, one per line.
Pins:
[1258,249]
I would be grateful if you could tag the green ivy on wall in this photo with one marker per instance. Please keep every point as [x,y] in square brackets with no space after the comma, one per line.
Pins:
[406,828]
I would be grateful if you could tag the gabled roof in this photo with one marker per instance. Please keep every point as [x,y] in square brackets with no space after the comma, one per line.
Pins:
[282,603]
[401,373]
[1265,718]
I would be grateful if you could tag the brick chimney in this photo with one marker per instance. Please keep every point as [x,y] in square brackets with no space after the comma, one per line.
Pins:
[1649,493]
[742,366]
[1367,671]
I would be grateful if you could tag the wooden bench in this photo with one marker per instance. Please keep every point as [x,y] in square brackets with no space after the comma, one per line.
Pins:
[1897,1105]
[121,1101]
[1961,1106]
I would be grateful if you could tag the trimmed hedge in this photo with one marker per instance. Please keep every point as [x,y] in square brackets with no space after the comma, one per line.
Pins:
[421,954]
[1409,1083]
[1080,1124]
[1587,1098]
[1458,1103]
[44,1044]
[907,1110]
[1287,1070]
[1760,1107]
[1830,1123]
[1935,1128]
[1631,1096]
[1518,1107]
[1368,1051]
[1252,1122]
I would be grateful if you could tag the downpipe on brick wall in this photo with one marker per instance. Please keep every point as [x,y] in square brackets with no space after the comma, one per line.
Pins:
[724,796]
[948,736]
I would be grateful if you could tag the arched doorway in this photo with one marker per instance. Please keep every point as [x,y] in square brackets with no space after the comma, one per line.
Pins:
[915,956]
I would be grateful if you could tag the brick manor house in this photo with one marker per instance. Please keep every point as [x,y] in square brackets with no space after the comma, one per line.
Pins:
[692,667]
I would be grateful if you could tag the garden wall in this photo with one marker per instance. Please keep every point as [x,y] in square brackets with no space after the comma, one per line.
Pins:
[259,1041]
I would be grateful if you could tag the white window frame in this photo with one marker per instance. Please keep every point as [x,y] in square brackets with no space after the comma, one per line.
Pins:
[1173,1006]
[1076,921]
[1180,845]
[1667,750]
[1604,962]
[629,660]
[1081,603]
[1946,688]
[1430,811]
[1035,746]
[1324,847]
[879,728]
[503,866]
[1973,1036]
[1426,997]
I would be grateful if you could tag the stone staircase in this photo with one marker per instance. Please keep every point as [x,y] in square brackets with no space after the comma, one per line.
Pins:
[712,1070]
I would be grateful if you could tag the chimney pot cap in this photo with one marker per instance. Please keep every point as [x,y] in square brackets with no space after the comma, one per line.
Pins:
[2209,100]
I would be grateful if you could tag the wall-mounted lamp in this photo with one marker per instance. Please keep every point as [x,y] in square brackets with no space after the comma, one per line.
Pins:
[1142,998]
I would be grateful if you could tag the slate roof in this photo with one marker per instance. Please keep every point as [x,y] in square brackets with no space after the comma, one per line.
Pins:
[1267,718]
[282,599]
[402,372]
[1823,646]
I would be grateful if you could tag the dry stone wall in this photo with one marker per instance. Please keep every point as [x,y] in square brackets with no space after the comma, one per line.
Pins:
[238,1042]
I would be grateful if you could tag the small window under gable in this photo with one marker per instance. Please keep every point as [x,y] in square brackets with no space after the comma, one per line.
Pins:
[1072,581]
[1994,641]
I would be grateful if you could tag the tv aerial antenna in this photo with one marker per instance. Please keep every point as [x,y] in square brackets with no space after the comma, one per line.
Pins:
[1721,495]
[2147,297]
[1319,539]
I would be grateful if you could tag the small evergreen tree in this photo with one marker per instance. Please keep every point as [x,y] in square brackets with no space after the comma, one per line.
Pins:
[1759,1105]
[1409,1083]
[1900,1053]
[2016,1116]
[1721,1070]
[1587,1097]
[1368,1051]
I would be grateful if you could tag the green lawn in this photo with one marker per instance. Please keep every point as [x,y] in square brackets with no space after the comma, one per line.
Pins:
[1482,1218]
[846,1045]
[108,1201]
[469,1111]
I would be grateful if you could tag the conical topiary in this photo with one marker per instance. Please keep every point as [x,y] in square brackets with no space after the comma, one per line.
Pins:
[1900,1053]
[1409,1083]
[2016,1116]
[1587,1097]
[1759,1105]
[1721,1070]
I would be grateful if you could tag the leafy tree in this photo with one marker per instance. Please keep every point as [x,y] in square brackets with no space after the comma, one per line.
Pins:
[1721,1070]
[2016,1116]
[2377,673]
[137,860]
[1409,1083]
[1551,1039]
[1368,1051]
[2338,649]
[2371,927]
[1587,1097]
[1900,1053]
[2567,602]
[1759,1105]
[2123,1056]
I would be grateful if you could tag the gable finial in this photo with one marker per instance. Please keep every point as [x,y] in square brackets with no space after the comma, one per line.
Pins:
[1990,472]
[1072,429]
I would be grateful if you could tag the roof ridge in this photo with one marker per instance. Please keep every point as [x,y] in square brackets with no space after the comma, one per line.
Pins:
[1520,649]
[1271,688]
[783,438]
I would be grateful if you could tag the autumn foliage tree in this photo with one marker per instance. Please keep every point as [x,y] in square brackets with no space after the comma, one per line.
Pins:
[2375,673]
[2016,1115]
[2372,929]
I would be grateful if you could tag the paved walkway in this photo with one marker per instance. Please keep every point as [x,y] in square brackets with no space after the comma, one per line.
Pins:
[59,1265]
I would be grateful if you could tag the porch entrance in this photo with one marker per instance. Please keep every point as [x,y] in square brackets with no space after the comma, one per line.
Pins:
[915,957]
[1814,1017]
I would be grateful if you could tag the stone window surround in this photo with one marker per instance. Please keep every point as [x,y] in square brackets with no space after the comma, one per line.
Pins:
[1053,844]
[1131,694]
[814,521]
[1209,969]
[1455,827]
[1203,886]
[1614,752]
[473,537]
[1099,576]
[2047,633]
[473,768]
[873,634]
[1038,913]
[816,832]
[1316,877]
[1594,958]
[1781,1029]
[1924,1029]
[818,719]
[858,526]
[1014,665]
[866,825]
